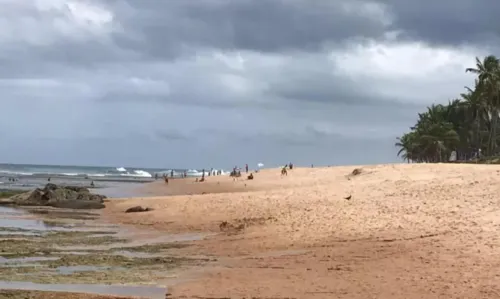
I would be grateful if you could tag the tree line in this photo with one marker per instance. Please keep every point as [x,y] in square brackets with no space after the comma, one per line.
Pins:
[468,125]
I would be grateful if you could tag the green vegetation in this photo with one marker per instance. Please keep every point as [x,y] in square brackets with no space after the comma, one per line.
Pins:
[106,265]
[466,125]
[4,193]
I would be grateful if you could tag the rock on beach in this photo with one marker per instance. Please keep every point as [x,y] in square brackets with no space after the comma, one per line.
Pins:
[52,195]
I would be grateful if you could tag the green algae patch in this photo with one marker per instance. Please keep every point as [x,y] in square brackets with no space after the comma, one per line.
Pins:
[155,248]
[108,269]
[117,261]
[6,193]
[61,255]
[27,245]
[22,294]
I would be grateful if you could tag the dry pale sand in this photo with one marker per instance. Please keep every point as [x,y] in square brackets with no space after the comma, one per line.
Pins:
[408,231]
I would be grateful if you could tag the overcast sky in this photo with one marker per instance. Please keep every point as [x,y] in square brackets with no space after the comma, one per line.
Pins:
[216,83]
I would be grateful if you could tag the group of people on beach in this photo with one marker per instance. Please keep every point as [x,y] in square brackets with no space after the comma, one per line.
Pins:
[184,175]
[235,173]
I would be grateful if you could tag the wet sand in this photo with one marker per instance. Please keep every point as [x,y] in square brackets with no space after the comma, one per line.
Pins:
[189,186]
[406,231]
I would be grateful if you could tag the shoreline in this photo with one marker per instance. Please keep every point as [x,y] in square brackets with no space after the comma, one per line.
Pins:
[296,235]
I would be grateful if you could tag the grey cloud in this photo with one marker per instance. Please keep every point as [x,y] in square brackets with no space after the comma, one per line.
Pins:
[200,83]
[170,135]
[449,22]
[265,25]
[152,30]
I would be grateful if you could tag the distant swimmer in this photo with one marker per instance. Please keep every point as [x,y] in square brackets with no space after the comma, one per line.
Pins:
[48,179]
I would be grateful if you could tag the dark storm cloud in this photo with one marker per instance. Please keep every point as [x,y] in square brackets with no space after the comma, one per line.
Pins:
[449,22]
[174,27]
[220,81]
[152,29]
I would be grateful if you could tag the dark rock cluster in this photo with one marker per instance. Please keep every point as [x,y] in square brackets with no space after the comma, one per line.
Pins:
[68,197]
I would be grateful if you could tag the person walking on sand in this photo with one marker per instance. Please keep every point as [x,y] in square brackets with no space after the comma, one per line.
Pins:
[283,171]
[246,168]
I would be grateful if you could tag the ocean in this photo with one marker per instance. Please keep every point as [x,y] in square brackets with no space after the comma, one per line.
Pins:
[109,180]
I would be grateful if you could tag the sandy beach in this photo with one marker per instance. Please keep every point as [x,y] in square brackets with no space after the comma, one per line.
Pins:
[405,231]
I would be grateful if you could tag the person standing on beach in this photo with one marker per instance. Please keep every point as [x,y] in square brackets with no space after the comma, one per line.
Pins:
[246,168]
[172,173]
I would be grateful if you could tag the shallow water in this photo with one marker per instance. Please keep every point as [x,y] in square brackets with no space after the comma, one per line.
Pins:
[10,211]
[25,220]
[27,224]
[123,191]
[42,226]
[152,292]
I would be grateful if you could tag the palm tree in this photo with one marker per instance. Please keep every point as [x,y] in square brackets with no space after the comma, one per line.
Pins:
[406,144]
[488,72]
[438,141]
[465,125]
[474,113]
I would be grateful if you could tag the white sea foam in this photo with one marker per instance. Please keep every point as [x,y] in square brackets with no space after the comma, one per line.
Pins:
[15,172]
[121,169]
[138,173]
